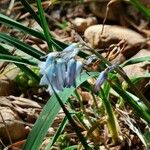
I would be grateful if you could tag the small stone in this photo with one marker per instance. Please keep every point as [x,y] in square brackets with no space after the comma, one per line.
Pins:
[15,128]
[113,34]
[86,96]
[82,23]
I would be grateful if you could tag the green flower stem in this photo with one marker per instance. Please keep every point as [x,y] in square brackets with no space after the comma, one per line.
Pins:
[95,101]
[92,135]
[119,70]
[137,108]
[111,119]
[72,122]
[82,106]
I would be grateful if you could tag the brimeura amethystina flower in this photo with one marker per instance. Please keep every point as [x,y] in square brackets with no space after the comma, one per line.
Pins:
[60,69]
[102,77]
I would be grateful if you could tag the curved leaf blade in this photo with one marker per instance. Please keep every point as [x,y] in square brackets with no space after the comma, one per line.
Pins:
[16,59]
[21,46]
[10,22]
[135,60]
[23,67]
[49,113]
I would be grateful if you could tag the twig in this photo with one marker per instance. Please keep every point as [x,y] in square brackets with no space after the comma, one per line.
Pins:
[7,132]
[11,5]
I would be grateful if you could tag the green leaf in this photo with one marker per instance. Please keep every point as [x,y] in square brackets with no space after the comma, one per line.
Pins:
[10,22]
[74,147]
[137,108]
[111,118]
[21,46]
[135,60]
[16,59]
[24,68]
[44,25]
[72,122]
[58,132]
[49,113]
[141,7]
[50,42]
[30,10]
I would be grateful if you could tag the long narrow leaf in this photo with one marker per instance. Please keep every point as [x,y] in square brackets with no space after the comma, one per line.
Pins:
[6,20]
[31,11]
[49,113]
[141,7]
[74,147]
[143,114]
[135,60]
[24,68]
[16,59]
[44,25]
[58,132]
[111,118]
[10,22]
[21,46]
[72,122]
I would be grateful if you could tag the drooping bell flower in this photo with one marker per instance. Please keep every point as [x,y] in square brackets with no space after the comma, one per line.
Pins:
[102,77]
[60,69]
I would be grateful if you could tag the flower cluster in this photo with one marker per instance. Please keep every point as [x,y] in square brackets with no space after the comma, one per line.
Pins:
[60,69]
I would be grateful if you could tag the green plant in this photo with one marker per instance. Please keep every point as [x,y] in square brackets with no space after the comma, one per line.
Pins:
[138,5]
[68,88]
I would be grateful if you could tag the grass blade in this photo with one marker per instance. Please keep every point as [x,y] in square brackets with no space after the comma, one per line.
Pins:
[16,59]
[135,60]
[21,46]
[10,22]
[139,110]
[141,7]
[50,42]
[111,118]
[72,122]
[24,68]
[31,11]
[44,25]
[74,147]
[6,20]
[58,132]
[49,113]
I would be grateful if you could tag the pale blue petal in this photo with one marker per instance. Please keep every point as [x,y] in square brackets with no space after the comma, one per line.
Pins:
[69,55]
[90,59]
[60,69]
[78,67]
[44,65]
[50,59]
[60,72]
[70,47]
[71,73]
[47,74]
[55,83]
[44,80]
[41,65]
[100,80]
